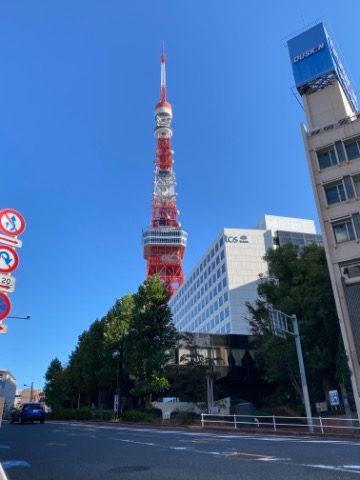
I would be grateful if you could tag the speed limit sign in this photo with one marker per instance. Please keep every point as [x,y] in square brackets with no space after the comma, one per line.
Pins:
[7,283]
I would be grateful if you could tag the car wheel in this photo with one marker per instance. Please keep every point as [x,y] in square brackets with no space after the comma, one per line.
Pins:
[11,420]
[20,420]
[42,421]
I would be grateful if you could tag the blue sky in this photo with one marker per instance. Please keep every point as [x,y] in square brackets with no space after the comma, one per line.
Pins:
[79,80]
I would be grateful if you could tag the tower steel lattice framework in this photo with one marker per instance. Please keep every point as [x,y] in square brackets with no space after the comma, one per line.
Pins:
[164,242]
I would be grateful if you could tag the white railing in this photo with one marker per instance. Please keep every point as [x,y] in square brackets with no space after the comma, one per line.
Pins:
[321,425]
[3,475]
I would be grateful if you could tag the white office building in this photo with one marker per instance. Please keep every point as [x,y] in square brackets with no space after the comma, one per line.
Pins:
[213,297]
[332,144]
[7,391]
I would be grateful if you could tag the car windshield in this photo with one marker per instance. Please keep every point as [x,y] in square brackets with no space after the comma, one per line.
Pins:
[31,405]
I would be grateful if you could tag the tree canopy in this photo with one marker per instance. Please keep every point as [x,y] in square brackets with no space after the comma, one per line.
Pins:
[298,283]
[150,338]
[130,345]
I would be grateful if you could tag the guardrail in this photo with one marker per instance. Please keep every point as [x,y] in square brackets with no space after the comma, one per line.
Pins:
[321,425]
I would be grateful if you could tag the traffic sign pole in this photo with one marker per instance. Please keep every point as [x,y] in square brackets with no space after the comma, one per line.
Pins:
[12,224]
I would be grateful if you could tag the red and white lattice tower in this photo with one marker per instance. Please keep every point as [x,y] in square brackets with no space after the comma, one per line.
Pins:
[164,242]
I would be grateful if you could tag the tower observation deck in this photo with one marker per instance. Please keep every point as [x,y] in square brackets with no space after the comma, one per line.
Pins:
[164,242]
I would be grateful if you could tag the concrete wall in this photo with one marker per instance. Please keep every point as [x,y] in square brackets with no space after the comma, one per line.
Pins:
[168,407]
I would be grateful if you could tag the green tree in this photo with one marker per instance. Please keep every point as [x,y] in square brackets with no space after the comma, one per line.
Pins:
[117,323]
[54,385]
[150,339]
[91,373]
[298,283]
[189,381]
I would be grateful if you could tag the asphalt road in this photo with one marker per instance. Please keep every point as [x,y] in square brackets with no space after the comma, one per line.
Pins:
[77,451]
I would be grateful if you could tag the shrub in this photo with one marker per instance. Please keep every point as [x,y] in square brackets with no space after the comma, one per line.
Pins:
[108,415]
[134,416]
[184,418]
[151,412]
[71,414]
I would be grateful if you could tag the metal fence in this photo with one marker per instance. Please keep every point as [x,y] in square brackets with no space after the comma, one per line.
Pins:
[320,425]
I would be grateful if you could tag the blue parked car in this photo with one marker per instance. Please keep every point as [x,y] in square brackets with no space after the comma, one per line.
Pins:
[28,412]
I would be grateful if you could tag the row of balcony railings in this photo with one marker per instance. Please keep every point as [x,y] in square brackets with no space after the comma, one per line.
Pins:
[342,121]
[275,423]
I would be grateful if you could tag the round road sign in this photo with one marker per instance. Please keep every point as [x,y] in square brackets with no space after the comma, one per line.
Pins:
[5,306]
[11,222]
[9,259]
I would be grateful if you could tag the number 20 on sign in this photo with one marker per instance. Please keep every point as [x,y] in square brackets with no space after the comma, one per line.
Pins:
[7,283]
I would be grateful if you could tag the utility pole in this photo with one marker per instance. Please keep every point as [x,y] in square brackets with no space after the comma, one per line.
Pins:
[210,393]
[279,325]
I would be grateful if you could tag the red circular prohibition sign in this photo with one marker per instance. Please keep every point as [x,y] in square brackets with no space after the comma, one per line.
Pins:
[5,306]
[11,222]
[10,257]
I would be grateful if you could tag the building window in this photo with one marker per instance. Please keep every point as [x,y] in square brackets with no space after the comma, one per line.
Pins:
[344,232]
[327,158]
[335,193]
[357,186]
[351,270]
[353,150]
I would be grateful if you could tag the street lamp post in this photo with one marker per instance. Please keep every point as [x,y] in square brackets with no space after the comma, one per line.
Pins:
[117,397]
[31,390]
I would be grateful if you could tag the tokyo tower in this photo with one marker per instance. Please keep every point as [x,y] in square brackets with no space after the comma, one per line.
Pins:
[164,242]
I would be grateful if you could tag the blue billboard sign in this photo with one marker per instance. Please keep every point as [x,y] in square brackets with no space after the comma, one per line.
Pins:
[310,55]
[313,57]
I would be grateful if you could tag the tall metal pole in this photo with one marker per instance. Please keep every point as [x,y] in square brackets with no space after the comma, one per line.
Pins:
[210,393]
[302,373]
[116,397]
[279,326]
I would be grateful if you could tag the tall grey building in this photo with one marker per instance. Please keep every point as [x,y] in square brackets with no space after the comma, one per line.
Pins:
[332,143]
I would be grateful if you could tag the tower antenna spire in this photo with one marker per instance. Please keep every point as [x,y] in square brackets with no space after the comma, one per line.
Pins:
[163,76]
[164,242]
